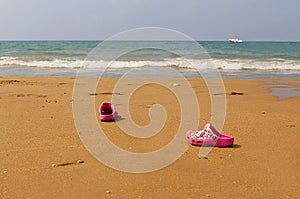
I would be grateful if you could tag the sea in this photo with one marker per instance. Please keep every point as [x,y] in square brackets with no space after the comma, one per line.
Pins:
[247,60]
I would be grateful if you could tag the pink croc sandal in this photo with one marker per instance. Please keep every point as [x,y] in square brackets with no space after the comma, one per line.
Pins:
[209,136]
[107,112]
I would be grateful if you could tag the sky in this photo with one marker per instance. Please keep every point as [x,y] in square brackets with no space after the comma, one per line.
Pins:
[252,20]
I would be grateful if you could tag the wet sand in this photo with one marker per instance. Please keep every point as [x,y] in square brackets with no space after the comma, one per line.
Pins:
[38,130]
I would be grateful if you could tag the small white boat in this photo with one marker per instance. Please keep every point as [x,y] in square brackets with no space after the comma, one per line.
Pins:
[235,40]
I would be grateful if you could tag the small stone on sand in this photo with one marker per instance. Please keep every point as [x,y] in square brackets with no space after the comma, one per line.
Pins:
[79,161]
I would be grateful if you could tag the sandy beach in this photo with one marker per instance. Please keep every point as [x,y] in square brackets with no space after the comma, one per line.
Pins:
[38,130]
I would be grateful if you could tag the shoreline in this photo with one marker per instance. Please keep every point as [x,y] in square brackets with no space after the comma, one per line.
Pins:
[38,130]
[152,72]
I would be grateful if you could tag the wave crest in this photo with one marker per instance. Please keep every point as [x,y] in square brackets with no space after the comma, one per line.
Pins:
[213,63]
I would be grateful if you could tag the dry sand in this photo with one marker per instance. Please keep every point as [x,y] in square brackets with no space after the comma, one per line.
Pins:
[37,130]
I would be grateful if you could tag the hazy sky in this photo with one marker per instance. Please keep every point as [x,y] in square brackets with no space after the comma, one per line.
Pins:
[200,19]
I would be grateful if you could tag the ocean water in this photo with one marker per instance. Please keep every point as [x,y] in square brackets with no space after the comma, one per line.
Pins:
[86,58]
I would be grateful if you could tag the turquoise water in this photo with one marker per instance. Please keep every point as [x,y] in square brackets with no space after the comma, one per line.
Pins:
[65,58]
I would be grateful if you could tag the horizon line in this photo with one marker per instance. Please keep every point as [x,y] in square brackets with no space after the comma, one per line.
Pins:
[198,40]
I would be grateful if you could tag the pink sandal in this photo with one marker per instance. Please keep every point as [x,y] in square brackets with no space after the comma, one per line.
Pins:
[209,136]
[107,112]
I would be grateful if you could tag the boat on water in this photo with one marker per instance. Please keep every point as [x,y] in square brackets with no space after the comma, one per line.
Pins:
[235,40]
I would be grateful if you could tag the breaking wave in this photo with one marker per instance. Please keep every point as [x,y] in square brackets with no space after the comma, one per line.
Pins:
[212,63]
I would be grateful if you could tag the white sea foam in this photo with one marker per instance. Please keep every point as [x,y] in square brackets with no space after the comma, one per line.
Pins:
[12,61]
[213,63]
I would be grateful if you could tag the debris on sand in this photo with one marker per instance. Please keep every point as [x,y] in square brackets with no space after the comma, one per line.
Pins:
[236,93]
[290,125]
[105,93]
[68,163]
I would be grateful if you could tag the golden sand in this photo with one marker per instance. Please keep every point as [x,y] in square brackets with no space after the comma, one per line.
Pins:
[38,130]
